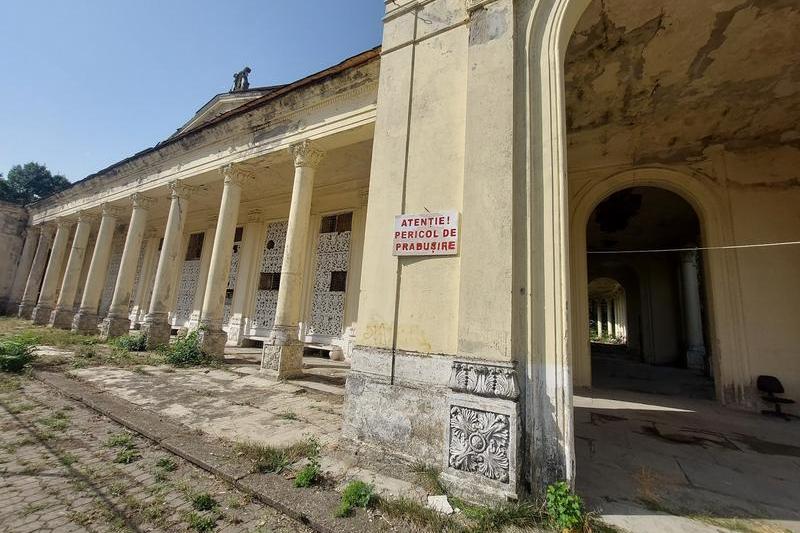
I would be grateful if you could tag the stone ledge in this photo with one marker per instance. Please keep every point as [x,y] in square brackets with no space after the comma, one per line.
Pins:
[313,508]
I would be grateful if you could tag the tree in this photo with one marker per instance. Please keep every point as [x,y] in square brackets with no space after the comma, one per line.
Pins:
[26,184]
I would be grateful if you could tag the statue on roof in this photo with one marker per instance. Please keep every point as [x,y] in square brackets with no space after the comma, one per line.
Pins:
[240,82]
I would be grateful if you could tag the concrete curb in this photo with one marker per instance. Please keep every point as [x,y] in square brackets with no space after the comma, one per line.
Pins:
[312,507]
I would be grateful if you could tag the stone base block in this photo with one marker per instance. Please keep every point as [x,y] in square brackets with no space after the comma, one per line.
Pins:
[115,326]
[25,310]
[285,360]
[41,314]
[212,342]
[85,323]
[62,318]
[157,331]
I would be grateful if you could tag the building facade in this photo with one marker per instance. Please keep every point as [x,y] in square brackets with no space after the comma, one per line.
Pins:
[617,167]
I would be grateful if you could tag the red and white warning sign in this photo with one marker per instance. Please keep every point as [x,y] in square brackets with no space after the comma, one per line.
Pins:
[426,234]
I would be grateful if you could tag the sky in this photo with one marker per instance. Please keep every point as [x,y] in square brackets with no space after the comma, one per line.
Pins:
[86,83]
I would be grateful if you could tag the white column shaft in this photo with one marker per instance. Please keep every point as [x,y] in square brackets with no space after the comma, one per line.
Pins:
[23,267]
[170,259]
[34,282]
[72,275]
[47,295]
[141,299]
[98,269]
[120,302]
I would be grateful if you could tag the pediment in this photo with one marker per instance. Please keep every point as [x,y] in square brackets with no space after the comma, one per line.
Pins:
[221,104]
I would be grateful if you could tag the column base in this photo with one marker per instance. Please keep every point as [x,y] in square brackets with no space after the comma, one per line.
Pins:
[283,360]
[212,342]
[62,318]
[41,315]
[157,330]
[12,308]
[236,328]
[696,358]
[84,322]
[25,310]
[114,326]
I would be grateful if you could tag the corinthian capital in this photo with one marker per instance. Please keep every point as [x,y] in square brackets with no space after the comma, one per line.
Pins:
[112,211]
[237,173]
[306,154]
[178,189]
[140,201]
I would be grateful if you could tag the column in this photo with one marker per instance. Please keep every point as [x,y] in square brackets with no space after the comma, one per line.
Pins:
[212,336]
[608,319]
[598,314]
[249,262]
[283,351]
[34,281]
[86,319]
[23,270]
[141,299]
[47,294]
[118,322]
[156,324]
[62,315]
[692,312]
[202,275]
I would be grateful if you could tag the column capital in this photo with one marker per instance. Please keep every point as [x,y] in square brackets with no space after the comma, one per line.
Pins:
[178,189]
[306,154]
[86,217]
[140,201]
[47,229]
[112,211]
[237,173]
[63,222]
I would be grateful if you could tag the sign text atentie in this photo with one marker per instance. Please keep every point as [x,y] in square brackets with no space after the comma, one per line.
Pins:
[426,234]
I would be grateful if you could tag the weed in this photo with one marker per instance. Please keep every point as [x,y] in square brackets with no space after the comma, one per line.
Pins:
[203,501]
[201,523]
[18,408]
[16,354]
[423,517]
[9,384]
[186,352]
[564,508]
[127,456]
[308,475]
[268,459]
[118,488]
[58,421]
[154,510]
[167,464]
[120,440]
[131,343]
[288,415]
[67,459]
[355,494]
[429,477]
[33,508]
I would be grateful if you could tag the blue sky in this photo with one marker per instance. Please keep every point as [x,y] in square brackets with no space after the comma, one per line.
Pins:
[85,83]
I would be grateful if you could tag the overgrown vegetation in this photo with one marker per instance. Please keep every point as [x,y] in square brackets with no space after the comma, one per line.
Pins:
[126,448]
[272,459]
[201,523]
[356,494]
[186,352]
[203,501]
[16,354]
[131,343]
[564,507]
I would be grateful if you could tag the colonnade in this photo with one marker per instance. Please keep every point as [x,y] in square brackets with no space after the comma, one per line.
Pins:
[611,317]
[35,290]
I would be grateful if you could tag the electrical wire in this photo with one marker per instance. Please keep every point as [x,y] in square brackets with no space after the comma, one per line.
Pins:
[696,249]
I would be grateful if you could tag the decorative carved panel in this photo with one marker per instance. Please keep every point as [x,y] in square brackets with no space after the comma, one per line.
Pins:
[479,443]
[327,306]
[186,291]
[484,380]
[271,262]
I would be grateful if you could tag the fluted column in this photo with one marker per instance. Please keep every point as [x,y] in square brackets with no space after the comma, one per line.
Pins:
[283,351]
[249,260]
[23,270]
[156,324]
[212,336]
[47,294]
[692,312]
[86,319]
[202,275]
[118,322]
[598,313]
[34,282]
[62,315]
[141,300]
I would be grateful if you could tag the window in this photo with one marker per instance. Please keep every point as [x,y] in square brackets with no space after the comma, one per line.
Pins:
[269,281]
[270,244]
[238,235]
[228,296]
[195,246]
[338,281]
[336,223]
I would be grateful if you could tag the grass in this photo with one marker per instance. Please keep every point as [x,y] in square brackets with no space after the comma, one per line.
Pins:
[308,475]
[428,477]
[271,459]
[127,455]
[167,464]
[120,440]
[199,522]
[288,415]
[33,508]
[186,352]
[203,501]
[58,421]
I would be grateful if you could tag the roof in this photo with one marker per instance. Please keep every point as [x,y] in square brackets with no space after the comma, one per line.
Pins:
[279,91]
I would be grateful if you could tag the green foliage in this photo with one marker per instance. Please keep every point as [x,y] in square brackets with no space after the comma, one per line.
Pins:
[120,440]
[271,459]
[58,421]
[428,476]
[131,343]
[201,523]
[308,475]
[29,183]
[15,354]
[355,494]
[127,455]
[564,508]
[186,352]
[203,502]
[167,464]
